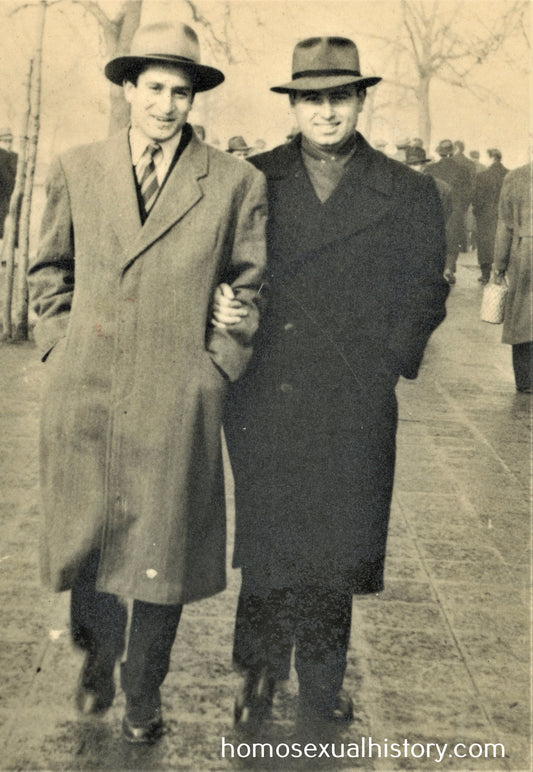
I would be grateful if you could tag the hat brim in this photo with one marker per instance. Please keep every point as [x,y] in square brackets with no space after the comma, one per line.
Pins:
[204,77]
[322,82]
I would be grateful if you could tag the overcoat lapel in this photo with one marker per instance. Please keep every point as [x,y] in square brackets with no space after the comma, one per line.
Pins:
[362,198]
[179,194]
[119,195]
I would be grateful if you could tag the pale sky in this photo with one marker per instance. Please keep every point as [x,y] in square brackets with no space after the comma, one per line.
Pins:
[75,92]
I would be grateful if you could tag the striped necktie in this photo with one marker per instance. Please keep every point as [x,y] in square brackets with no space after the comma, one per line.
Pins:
[147,177]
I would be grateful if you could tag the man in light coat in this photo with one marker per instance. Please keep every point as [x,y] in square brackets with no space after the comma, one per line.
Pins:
[513,258]
[356,245]
[138,231]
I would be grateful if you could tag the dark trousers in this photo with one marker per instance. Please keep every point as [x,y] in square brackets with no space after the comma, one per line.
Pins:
[98,625]
[315,620]
[523,365]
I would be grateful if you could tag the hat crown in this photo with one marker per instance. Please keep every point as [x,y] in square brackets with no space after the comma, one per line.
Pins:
[237,143]
[164,39]
[415,155]
[325,55]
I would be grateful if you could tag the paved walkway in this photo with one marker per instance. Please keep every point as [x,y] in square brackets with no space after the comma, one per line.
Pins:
[442,656]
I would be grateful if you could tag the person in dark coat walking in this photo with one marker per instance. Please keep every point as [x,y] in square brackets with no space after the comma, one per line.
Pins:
[415,157]
[485,198]
[356,244]
[137,233]
[8,173]
[513,258]
[446,169]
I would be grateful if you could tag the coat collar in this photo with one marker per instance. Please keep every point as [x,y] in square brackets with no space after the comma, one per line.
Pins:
[367,164]
[179,194]
[362,198]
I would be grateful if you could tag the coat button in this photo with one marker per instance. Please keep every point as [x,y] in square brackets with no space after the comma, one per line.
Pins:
[286,388]
[289,327]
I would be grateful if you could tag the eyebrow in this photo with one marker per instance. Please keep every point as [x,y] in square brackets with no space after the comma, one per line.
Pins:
[174,88]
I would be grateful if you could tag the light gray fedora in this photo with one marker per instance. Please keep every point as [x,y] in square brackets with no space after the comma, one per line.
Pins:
[165,43]
[325,62]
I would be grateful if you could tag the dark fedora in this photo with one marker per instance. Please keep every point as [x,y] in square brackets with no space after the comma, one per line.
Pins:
[236,144]
[324,62]
[416,155]
[164,43]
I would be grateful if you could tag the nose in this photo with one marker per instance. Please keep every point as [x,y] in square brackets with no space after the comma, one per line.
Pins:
[326,109]
[165,101]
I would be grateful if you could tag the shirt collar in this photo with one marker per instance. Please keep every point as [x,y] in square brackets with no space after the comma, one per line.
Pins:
[139,143]
[335,153]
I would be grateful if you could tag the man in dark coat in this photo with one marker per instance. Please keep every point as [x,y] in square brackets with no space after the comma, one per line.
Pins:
[138,231]
[356,245]
[8,173]
[415,157]
[460,159]
[485,200]
[458,178]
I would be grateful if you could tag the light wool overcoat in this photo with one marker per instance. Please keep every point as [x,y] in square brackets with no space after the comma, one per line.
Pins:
[513,252]
[136,378]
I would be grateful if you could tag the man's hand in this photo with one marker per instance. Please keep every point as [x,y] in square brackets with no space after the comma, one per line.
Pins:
[227,310]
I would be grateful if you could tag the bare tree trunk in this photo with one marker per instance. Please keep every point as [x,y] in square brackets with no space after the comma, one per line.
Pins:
[424,114]
[20,331]
[118,41]
[12,219]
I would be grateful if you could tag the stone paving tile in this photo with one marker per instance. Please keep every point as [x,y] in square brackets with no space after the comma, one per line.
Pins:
[447,712]
[399,644]
[460,571]
[403,590]
[373,613]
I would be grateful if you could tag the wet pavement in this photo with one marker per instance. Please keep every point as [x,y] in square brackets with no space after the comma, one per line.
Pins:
[441,656]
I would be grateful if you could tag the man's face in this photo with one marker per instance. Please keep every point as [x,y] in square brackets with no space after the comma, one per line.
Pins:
[240,154]
[160,102]
[327,117]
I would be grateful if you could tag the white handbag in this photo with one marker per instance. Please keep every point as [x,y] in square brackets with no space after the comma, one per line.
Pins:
[493,302]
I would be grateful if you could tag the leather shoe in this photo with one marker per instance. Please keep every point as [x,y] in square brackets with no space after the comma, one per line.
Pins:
[143,732]
[253,704]
[96,686]
[339,710]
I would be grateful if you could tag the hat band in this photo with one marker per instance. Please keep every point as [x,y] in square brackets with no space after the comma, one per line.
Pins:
[165,56]
[322,73]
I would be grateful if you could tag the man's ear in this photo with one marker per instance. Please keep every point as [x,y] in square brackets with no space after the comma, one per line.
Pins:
[127,88]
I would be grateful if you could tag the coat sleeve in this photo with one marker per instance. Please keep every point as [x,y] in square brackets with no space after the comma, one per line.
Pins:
[504,229]
[51,274]
[423,291]
[231,348]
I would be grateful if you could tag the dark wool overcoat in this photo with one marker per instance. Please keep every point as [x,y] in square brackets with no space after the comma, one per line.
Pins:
[513,253]
[459,180]
[136,377]
[356,289]
[485,199]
